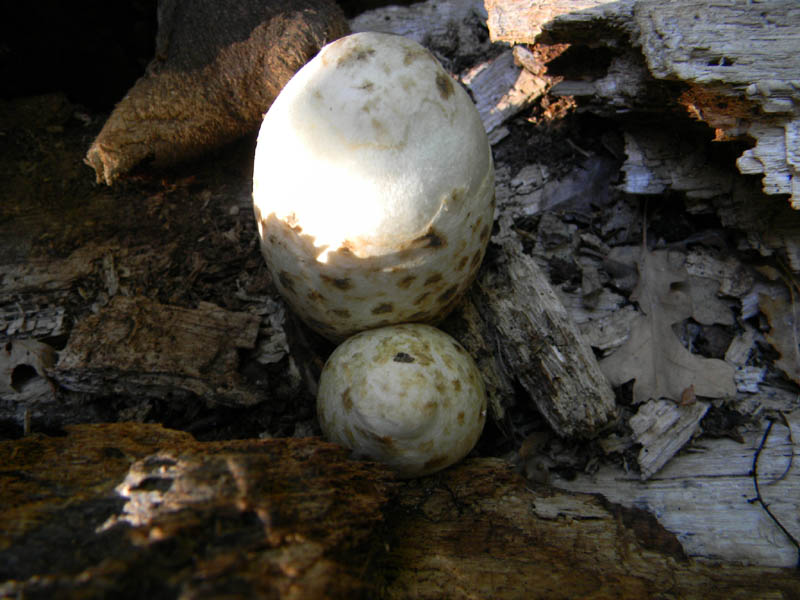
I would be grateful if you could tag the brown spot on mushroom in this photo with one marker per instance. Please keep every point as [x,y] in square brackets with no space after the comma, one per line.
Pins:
[406,281]
[286,280]
[315,296]
[379,127]
[462,263]
[402,357]
[448,362]
[440,387]
[445,85]
[420,315]
[432,239]
[433,278]
[366,85]
[341,312]
[485,233]
[476,259]
[355,54]
[385,307]
[476,224]
[461,418]
[421,298]
[347,401]
[456,197]
[426,447]
[448,294]
[341,283]
[430,408]
[412,54]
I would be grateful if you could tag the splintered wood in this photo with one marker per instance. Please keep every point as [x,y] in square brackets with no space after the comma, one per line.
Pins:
[526,338]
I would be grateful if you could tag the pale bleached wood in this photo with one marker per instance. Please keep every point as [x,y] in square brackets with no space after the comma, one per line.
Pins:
[501,89]
[528,330]
[662,427]
[703,496]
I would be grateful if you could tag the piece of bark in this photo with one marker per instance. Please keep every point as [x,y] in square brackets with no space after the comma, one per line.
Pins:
[216,72]
[523,323]
[31,321]
[135,346]
[123,510]
[480,531]
[134,510]
[501,89]
[522,21]
[663,427]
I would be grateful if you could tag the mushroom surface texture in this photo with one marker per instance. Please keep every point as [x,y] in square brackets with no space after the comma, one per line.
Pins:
[406,395]
[373,187]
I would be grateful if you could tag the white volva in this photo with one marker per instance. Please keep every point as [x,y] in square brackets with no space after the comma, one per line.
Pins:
[373,187]
[406,395]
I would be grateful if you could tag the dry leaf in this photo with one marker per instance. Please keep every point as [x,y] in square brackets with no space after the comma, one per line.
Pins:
[783,335]
[652,354]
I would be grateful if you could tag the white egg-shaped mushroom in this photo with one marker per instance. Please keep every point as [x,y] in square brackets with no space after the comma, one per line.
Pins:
[406,395]
[373,187]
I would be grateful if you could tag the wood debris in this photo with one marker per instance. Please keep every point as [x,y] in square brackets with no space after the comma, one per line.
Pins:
[135,346]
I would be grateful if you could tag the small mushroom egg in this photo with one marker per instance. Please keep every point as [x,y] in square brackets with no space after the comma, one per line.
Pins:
[406,395]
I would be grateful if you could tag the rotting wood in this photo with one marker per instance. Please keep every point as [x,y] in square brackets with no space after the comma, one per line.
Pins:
[703,496]
[739,62]
[477,530]
[523,323]
[135,510]
[292,518]
[135,345]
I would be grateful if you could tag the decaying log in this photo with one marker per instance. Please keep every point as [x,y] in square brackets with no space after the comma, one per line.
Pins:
[477,531]
[135,345]
[738,63]
[132,509]
[524,336]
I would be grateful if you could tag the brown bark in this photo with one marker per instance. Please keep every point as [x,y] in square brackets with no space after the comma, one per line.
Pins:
[128,509]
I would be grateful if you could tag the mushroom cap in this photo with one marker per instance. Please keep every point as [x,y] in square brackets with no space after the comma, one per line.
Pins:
[373,187]
[406,395]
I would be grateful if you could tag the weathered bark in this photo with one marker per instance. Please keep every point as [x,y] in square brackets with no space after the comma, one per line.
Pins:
[705,496]
[127,509]
[132,510]
[521,335]
[135,345]
[478,530]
